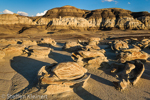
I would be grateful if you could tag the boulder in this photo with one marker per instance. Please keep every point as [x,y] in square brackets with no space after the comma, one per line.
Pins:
[130,74]
[119,45]
[144,43]
[48,41]
[92,58]
[9,41]
[72,46]
[134,49]
[38,51]
[14,49]
[28,42]
[71,71]
[63,77]
[132,55]
[93,41]
[98,60]
[91,48]
[91,54]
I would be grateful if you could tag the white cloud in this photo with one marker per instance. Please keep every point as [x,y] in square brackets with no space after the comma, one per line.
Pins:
[7,12]
[129,3]
[41,14]
[110,1]
[22,13]
[0,12]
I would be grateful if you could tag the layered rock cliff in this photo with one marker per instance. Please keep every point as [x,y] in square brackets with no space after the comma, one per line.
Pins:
[70,17]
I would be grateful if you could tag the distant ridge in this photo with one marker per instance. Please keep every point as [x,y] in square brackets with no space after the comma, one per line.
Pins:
[72,11]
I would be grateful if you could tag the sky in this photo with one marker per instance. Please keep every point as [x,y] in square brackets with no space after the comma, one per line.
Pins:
[39,7]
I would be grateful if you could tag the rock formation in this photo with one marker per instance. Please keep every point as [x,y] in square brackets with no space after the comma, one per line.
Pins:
[7,19]
[27,42]
[93,41]
[130,74]
[64,11]
[69,17]
[62,77]
[144,43]
[11,50]
[132,54]
[38,51]
[119,45]
[14,47]
[47,41]
[86,53]
[130,23]
[72,46]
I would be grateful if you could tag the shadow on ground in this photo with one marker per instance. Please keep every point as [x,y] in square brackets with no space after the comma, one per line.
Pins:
[57,53]
[28,68]
[101,80]
[85,95]
[50,32]
[60,57]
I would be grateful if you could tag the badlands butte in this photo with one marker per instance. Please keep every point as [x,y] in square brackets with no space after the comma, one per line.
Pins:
[72,18]
[75,54]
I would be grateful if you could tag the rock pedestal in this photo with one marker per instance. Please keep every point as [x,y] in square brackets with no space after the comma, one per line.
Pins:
[62,77]
[38,51]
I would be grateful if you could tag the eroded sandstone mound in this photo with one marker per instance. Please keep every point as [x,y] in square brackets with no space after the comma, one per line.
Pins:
[89,54]
[130,55]
[47,41]
[72,18]
[16,47]
[72,46]
[119,45]
[62,77]
[64,11]
[130,74]
[38,51]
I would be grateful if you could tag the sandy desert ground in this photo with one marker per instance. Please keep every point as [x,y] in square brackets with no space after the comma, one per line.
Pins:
[18,74]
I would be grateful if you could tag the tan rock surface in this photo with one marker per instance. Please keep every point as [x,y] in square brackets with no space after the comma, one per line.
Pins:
[93,41]
[48,41]
[91,47]
[28,42]
[2,54]
[118,45]
[62,77]
[38,51]
[98,60]
[130,75]
[129,56]
[72,46]
[69,71]
[91,54]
